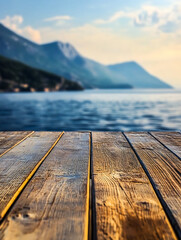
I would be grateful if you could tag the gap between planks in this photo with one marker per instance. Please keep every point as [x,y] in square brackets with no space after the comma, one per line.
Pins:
[17,143]
[171,215]
[165,135]
[28,178]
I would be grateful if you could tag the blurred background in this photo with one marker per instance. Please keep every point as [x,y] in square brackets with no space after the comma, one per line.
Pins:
[99,65]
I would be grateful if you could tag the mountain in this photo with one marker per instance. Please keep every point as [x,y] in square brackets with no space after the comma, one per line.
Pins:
[17,77]
[64,60]
[137,76]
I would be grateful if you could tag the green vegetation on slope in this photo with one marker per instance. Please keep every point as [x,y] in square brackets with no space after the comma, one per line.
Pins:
[17,77]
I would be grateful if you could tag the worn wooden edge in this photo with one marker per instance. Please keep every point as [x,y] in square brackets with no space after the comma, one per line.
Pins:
[163,144]
[28,178]
[87,213]
[172,222]
[17,143]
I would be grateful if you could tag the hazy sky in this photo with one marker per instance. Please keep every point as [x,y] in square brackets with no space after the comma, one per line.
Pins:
[108,31]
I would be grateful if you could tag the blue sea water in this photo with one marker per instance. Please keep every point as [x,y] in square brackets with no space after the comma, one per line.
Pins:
[98,110]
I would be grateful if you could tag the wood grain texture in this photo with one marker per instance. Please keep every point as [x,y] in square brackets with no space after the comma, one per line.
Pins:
[9,139]
[172,140]
[17,164]
[126,204]
[165,170]
[54,204]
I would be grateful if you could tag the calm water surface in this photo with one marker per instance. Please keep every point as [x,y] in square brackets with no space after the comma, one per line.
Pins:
[99,110]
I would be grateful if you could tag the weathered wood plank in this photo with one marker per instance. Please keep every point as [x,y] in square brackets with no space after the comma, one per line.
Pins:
[17,164]
[172,140]
[9,140]
[54,204]
[126,204]
[165,170]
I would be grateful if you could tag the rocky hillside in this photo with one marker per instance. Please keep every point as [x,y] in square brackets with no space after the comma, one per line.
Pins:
[17,77]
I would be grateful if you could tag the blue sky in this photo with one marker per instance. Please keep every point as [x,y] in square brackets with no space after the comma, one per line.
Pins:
[108,31]
[81,10]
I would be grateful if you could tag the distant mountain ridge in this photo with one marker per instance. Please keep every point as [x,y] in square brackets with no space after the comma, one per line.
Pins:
[136,75]
[64,60]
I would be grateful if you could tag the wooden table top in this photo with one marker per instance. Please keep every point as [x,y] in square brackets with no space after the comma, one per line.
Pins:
[90,185]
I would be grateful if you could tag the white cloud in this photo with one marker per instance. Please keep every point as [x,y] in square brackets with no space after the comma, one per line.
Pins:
[164,19]
[167,20]
[31,33]
[147,16]
[116,16]
[14,23]
[57,18]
